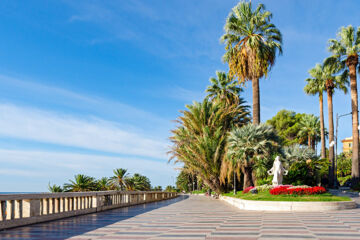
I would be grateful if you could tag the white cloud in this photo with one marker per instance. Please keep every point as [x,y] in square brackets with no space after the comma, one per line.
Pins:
[88,132]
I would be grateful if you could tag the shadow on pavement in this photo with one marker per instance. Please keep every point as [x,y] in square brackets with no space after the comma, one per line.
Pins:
[70,227]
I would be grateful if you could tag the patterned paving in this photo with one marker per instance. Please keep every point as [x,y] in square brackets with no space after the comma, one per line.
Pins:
[195,217]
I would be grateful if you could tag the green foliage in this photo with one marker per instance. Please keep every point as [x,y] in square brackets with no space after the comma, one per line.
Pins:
[344,164]
[81,183]
[304,167]
[157,188]
[250,147]
[252,41]
[252,144]
[170,188]
[140,182]
[309,129]
[103,184]
[266,196]
[223,88]
[294,127]
[184,181]
[200,140]
[287,126]
[120,179]
[54,188]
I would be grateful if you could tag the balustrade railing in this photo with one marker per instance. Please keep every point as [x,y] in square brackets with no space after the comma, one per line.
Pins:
[22,209]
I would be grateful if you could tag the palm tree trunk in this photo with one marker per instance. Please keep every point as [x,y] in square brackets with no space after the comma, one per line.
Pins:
[309,140]
[322,126]
[331,137]
[352,62]
[248,181]
[256,101]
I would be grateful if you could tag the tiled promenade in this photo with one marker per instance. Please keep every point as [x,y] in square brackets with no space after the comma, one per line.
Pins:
[196,217]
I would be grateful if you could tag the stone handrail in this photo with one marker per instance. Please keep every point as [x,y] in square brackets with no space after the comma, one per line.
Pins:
[22,209]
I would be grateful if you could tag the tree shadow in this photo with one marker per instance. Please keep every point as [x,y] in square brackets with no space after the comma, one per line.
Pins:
[73,226]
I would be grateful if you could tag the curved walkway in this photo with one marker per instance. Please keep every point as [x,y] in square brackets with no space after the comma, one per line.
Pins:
[195,217]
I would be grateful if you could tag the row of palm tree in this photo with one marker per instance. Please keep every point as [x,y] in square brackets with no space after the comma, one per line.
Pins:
[121,180]
[215,140]
[334,74]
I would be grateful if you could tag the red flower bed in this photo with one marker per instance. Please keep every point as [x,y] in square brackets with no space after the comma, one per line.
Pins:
[297,191]
[246,190]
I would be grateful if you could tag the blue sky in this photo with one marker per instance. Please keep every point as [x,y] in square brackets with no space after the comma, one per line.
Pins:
[89,86]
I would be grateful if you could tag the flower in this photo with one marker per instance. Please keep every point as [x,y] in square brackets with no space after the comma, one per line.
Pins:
[246,190]
[300,190]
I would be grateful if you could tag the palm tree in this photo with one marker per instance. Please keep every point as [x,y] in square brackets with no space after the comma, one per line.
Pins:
[309,128]
[249,144]
[316,86]
[54,188]
[157,188]
[199,142]
[141,183]
[223,88]
[251,46]
[103,184]
[346,51]
[119,178]
[81,183]
[327,73]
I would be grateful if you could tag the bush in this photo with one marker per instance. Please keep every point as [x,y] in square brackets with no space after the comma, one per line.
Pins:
[264,188]
[297,190]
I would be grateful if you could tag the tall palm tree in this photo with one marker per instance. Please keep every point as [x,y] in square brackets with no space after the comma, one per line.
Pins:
[328,73]
[309,128]
[249,144]
[346,50]
[120,178]
[81,183]
[200,139]
[252,42]
[223,88]
[316,86]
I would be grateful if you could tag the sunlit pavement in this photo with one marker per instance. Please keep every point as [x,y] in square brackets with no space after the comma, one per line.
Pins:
[195,217]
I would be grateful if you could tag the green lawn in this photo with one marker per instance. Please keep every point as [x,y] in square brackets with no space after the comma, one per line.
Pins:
[266,196]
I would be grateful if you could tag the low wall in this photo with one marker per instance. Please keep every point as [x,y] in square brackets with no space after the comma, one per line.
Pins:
[288,206]
[23,209]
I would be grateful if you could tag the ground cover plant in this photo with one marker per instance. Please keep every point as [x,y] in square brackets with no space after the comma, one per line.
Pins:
[266,196]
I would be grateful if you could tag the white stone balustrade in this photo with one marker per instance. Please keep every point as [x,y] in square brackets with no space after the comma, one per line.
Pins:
[23,209]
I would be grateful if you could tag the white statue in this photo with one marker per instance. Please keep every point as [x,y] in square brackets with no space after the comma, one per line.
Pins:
[278,171]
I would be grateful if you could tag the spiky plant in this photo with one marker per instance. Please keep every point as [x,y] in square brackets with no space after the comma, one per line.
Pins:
[249,144]
[119,180]
[200,139]
[81,183]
